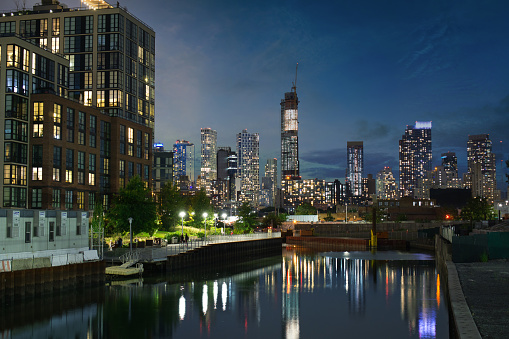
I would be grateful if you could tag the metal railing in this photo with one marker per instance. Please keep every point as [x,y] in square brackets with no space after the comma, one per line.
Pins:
[149,254]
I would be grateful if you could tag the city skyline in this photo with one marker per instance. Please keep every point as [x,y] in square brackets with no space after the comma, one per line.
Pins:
[366,70]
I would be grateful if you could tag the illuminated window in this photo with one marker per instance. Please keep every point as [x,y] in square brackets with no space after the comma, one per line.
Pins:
[36,173]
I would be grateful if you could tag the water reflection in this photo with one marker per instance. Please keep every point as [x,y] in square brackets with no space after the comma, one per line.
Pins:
[299,295]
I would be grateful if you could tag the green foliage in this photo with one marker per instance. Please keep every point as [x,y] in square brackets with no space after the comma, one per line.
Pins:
[201,204]
[477,209]
[134,201]
[401,217]
[305,209]
[98,221]
[272,220]
[369,216]
[171,203]
[484,257]
[247,219]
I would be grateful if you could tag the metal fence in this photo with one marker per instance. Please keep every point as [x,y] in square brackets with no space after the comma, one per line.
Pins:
[149,254]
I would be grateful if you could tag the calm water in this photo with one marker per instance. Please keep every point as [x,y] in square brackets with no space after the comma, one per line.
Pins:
[302,294]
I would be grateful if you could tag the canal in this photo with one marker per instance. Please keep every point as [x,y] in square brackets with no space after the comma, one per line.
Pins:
[301,294]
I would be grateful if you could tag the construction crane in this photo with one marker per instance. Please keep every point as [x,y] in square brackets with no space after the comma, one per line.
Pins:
[294,87]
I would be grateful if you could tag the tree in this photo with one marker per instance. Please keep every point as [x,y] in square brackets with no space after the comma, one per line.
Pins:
[273,220]
[477,209]
[170,205]
[201,204]
[97,222]
[134,201]
[247,219]
[305,209]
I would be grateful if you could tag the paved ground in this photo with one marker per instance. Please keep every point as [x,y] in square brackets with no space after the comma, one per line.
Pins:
[486,290]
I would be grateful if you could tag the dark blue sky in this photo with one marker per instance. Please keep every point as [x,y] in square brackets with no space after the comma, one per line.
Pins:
[366,70]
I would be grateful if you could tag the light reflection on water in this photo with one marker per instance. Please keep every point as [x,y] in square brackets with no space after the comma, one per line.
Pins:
[301,295]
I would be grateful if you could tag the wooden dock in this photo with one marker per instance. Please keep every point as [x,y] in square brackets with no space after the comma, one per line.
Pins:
[119,270]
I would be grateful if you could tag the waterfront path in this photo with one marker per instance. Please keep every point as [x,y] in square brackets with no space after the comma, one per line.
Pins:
[485,286]
[155,253]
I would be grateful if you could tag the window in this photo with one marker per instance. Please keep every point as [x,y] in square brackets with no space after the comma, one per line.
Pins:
[55,198]
[51,231]
[56,174]
[28,230]
[17,107]
[122,139]
[36,198]
[91,200]
[57,113]
[38,111]
[80,201]
[57,132]
[17,82]
[68,200]
[15,175]
[68,176]
[36,173]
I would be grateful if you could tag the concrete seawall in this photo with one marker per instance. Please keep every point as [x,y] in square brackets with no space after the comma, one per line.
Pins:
[34,282]
[225,254]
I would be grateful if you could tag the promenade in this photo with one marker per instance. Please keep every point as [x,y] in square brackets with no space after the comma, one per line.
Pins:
[485,286]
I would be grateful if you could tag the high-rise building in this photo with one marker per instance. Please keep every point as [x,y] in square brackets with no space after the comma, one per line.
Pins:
[248,148]
[208,158]
[226,174]
[386,187]
[110,66]
[290,134]
[269,183]
[183,163]
[162,170]
[450,164]
[481,171]
[355,167]
[414,157]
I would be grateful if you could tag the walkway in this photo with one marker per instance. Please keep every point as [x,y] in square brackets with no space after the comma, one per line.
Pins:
[485,286]
[154,254]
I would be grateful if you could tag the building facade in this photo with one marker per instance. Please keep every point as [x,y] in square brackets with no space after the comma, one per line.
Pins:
[415,155]
[290,135]
[109,66]
[481,169]
[248,153]
[162,170]
[183,163]
[208,158]
[386,187]
[354,167]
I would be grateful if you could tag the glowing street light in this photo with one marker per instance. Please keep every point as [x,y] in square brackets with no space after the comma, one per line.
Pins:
[205,215]
[131,235]
[224,218]
[182,215]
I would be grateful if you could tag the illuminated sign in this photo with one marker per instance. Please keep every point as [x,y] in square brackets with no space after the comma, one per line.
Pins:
[422,125]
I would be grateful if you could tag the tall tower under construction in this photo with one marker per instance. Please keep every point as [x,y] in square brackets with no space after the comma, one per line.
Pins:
[290,134]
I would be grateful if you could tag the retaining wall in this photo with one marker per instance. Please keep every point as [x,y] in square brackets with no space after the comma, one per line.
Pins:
[225,254]
[28,283]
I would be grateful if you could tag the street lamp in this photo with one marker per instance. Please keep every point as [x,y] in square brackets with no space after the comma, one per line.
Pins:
[215,222]
[205,221]
[131,235]
[182,215]
[224,220]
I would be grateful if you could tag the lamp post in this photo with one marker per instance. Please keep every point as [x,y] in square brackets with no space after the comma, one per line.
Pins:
[205,221]
[131,235]
[224,218]
[346,209]
[215,222]
[182,215]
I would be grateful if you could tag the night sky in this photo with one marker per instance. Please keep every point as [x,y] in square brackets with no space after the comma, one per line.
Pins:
[366,70]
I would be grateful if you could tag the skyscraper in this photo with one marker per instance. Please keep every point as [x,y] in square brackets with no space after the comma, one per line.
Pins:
[355,167]
[248,148]
[183,162]
[208,157]
[290,134]
[481,172]
[414,156]
[450,164]
[386,187]
[162,170]
[269,183]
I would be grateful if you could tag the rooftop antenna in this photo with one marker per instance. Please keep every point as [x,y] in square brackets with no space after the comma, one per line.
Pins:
[294,84]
